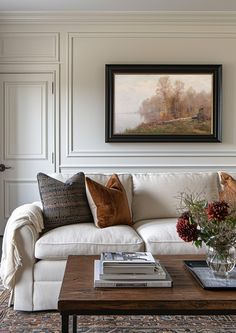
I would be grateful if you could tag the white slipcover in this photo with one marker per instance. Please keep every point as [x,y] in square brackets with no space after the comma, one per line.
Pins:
[160,237]
[154,198]
[86,238]
[157,195]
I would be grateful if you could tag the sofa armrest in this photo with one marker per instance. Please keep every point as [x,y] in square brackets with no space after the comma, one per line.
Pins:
[21,233]
[26,237]
[15,245]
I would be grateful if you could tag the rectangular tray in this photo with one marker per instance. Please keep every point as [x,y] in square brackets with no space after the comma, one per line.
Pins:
[206,278]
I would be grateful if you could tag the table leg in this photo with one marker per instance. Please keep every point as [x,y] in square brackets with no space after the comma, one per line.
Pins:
[74,323]
[64,323]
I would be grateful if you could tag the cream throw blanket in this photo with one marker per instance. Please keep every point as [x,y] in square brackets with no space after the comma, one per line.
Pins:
[28,214]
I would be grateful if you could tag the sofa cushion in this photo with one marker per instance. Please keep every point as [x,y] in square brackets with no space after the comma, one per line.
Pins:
[157,195]
[109,204]
[160,237]
[63,203]
[86,238]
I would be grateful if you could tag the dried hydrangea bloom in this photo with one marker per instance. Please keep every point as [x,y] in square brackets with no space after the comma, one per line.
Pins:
[217,210]
[186,230]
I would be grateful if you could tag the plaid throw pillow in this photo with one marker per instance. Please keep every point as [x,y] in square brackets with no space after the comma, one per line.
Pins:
[64,203]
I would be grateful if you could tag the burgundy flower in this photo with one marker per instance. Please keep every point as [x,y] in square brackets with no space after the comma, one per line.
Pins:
[217,210]
[186,230]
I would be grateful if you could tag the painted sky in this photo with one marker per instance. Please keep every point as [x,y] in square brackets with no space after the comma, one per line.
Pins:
[132,90]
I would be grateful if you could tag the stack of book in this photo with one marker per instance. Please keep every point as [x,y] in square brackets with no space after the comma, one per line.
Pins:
[129,269]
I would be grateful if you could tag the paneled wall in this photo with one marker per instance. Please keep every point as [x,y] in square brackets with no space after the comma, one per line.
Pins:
[77,47]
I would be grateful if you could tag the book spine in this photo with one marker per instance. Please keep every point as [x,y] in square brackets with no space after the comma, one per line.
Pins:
[149,284]
[128,270]
[125,276]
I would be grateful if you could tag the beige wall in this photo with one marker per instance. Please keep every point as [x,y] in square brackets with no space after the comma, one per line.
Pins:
[78,46]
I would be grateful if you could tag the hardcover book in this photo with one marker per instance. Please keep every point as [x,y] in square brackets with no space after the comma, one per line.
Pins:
[126,283]
[127,262]
[117,258]
[158,273]
[129,269]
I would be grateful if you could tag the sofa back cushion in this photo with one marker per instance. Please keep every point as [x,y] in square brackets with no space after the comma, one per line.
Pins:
[157,195]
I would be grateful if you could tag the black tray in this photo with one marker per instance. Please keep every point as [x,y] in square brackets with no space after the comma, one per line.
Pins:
[206,278]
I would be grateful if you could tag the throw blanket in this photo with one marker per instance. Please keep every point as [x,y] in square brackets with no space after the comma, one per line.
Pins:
[28,214]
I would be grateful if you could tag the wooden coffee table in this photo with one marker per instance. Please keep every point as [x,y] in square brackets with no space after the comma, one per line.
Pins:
[186,297]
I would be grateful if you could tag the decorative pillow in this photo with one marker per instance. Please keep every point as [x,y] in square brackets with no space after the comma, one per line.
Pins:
[229,189]
[109,204]
[64,203]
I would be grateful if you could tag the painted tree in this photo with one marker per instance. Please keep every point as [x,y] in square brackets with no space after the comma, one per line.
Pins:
[172,101]
[176,99]
[150,109]
[164,92]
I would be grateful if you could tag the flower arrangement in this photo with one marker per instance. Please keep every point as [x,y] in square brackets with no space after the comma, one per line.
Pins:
[213,223]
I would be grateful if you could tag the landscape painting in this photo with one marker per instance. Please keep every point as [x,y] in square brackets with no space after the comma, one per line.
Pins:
[167,103]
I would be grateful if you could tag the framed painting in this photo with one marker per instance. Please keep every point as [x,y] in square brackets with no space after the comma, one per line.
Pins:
[163,103]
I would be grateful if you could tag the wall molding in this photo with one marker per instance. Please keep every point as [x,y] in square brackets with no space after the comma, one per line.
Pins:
[153,153]
[73,152]
[183,167]
[118,17]
[168,33]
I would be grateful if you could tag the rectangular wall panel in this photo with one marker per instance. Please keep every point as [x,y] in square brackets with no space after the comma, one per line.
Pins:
[25,47]
[18,192]
[86,130]
[25,119]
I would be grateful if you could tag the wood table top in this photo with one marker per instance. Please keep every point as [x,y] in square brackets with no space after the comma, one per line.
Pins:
[78,295]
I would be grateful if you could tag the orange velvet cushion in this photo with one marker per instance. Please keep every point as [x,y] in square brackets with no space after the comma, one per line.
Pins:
[229,190]
[109,204]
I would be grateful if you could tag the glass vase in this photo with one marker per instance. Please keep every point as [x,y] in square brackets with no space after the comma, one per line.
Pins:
[221,260]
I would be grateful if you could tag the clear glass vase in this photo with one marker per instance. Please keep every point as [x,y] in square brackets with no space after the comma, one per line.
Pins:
[221,260]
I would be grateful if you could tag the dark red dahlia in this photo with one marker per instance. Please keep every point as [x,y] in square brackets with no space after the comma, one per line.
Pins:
[186,230]
[217,210]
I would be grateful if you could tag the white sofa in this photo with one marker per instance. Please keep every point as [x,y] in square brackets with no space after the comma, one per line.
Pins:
[154,201]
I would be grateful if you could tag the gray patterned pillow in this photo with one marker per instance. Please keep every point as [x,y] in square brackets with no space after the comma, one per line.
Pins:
[64,203]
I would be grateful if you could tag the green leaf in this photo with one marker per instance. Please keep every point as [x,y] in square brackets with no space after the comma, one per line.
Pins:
[198,243]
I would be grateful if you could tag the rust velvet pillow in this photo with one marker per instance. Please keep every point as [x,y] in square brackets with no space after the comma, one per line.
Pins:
[229,189]
[109,204]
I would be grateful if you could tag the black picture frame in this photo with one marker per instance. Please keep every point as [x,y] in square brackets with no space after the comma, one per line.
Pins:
[201,103]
